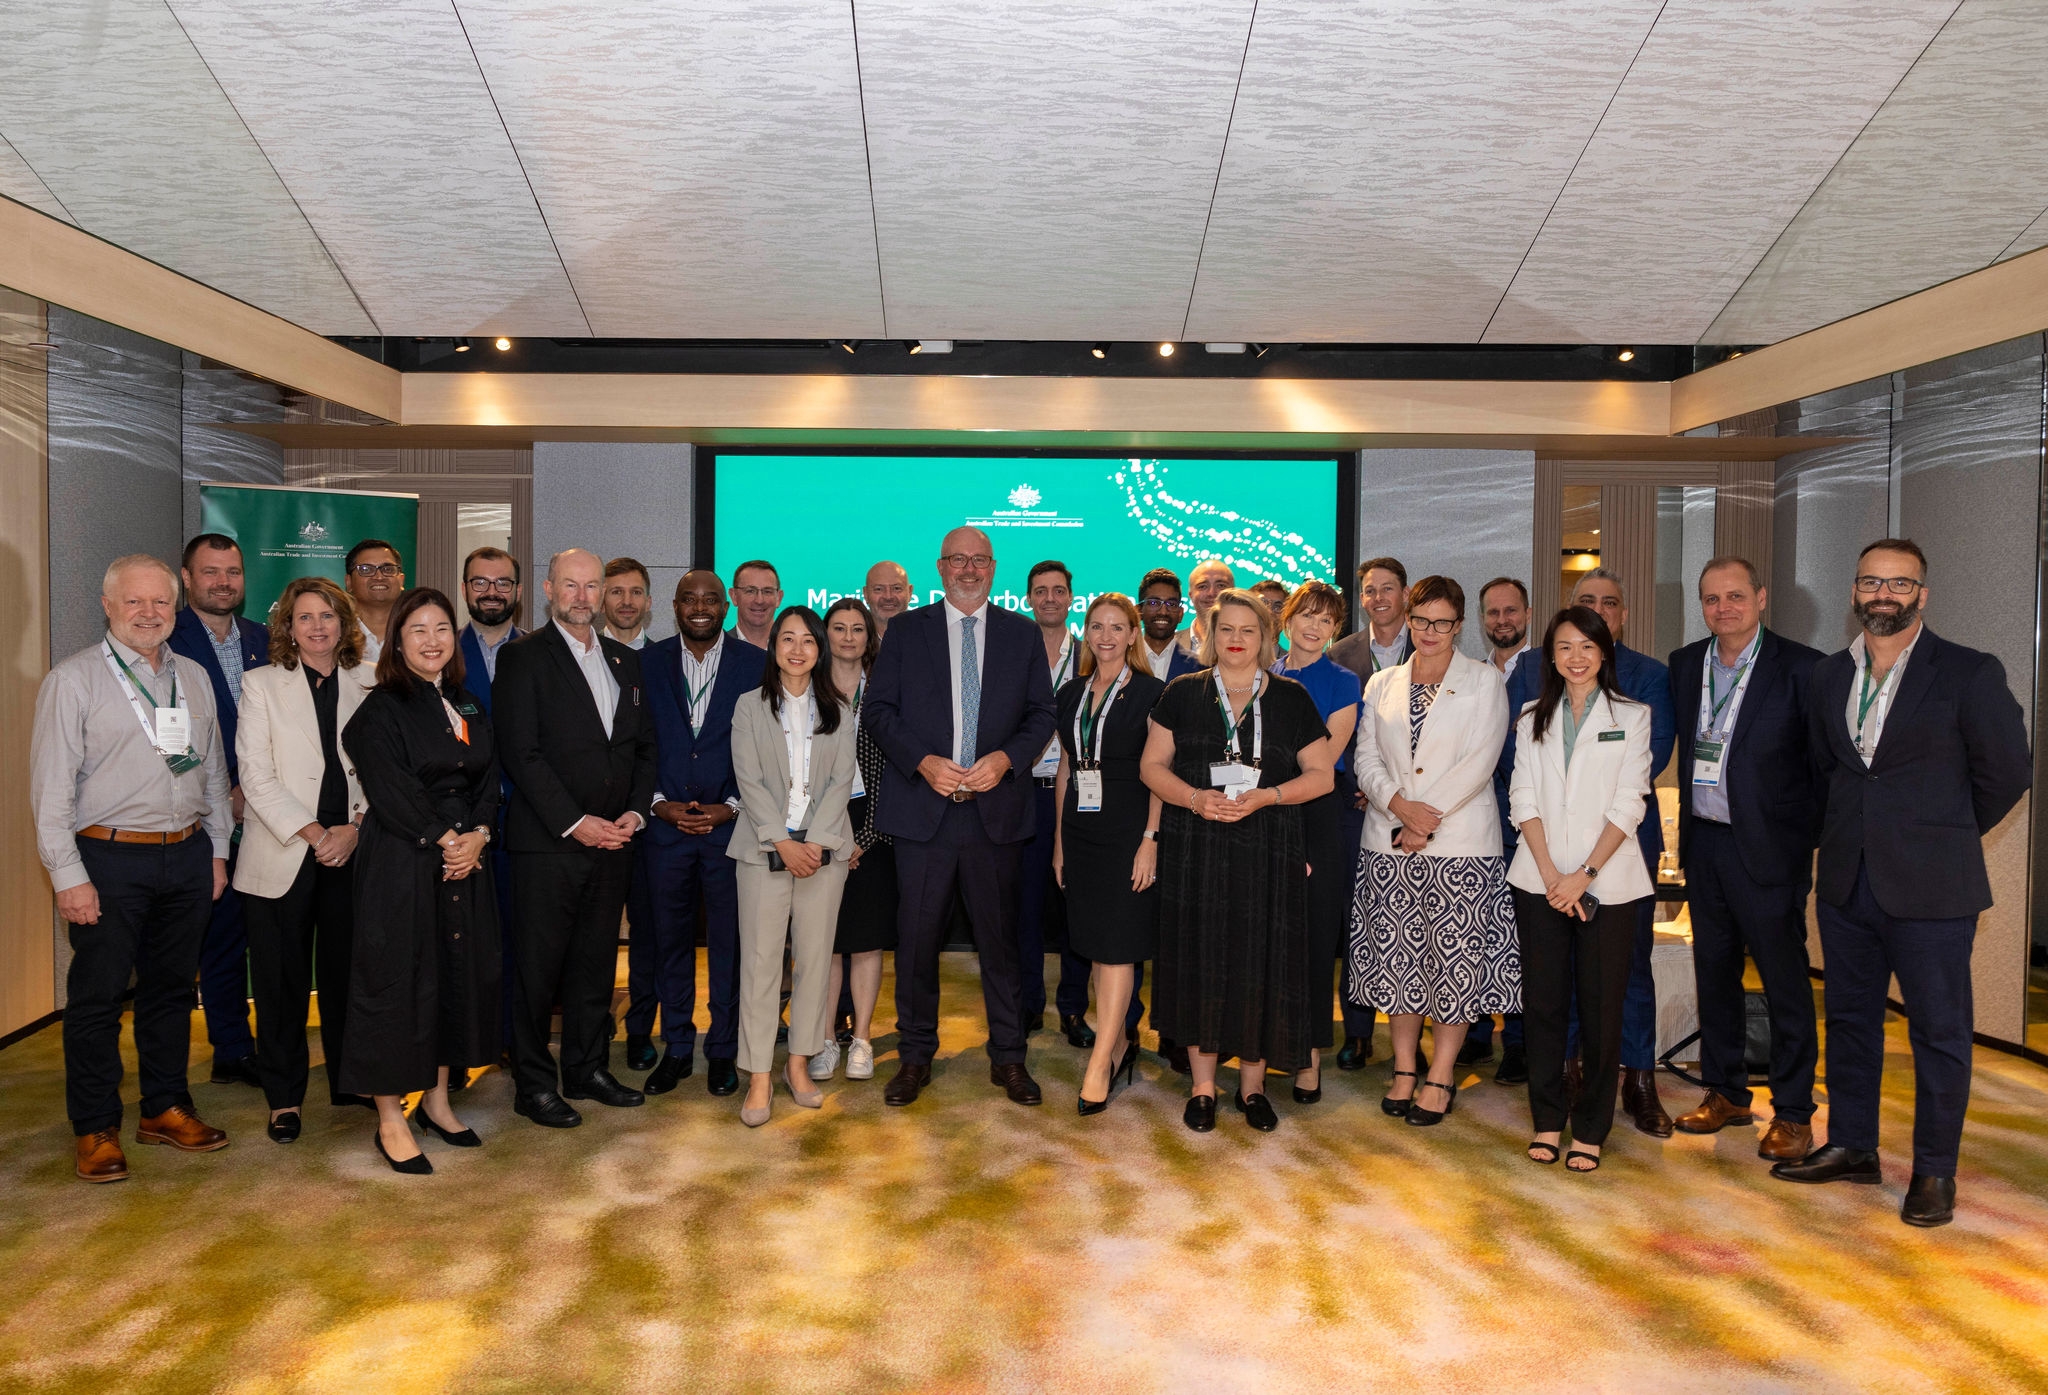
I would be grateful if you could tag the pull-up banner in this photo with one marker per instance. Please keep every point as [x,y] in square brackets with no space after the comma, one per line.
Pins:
[288,533]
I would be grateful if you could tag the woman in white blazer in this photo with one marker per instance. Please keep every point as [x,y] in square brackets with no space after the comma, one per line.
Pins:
[793,758]
[303,804]
[1432,930]
[1582,770]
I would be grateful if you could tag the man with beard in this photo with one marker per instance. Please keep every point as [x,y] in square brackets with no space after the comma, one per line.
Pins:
[626,610]
[490,592]
[695,678]
[1159,610]
[1921,750]
[211,633]
[1504,615]
[627,606]
[756,596]
[1384,642]
[574,735]
[376,579]
[888,594]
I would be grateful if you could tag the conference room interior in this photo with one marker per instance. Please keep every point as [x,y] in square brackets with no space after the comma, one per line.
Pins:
[1771,285]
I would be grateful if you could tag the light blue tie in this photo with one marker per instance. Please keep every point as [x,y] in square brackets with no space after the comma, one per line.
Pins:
[970,692]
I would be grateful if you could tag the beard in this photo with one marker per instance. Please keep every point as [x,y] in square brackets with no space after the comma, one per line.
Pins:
[1885,623]
[491,610]
[1507,639]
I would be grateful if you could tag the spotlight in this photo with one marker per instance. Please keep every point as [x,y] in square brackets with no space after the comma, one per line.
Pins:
[462,346]
[1261,350]
[1735,354]
[931,346]
[1166,350]
[1224,348]
[503,344]
[1100,351]
[846,344]
[1627,355]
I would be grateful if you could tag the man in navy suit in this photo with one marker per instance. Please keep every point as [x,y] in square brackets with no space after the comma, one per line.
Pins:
[213,635]
[961,704]
[1748,815]
[1921,750]
[490,593]
[694,679]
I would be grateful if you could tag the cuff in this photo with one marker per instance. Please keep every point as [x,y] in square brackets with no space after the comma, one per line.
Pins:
[220,849]
[69,875]
[733,803]
[571,829]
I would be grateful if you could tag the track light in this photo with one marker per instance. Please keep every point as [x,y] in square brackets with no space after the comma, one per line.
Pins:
[1627,355]
[1166,350]
[1261,350]
[462,346]
[1100,351]
[1737,353]
[1226,348]
[503,344]
[846,344]
[931,346]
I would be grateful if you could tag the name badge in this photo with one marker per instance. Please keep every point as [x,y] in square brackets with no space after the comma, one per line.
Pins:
[468,709]
[1706,762]
[173,730]
[1049,763]
[860,788]
[1614,736]
[1234,778]
[1088,791]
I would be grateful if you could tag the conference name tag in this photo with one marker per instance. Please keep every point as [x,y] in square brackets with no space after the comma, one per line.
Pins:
[1088,791]
[1234,778]
[1048,764]
[1614,736]
[1706,762]
[173,730]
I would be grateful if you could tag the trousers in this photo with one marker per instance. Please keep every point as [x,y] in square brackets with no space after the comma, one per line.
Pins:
[293,937]
[567,925]
[958,857]
[778,910]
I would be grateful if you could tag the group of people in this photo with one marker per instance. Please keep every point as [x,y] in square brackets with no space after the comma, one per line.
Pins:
[444,823]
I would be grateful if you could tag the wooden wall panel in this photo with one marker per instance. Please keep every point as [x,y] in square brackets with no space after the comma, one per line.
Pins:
[1628,546]
[1546,544]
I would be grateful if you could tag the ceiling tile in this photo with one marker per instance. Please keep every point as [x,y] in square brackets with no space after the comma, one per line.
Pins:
[114,111]
[702,166]
[1391,161]
[24,185]
[1946,175]
[1042,170]
[377,119]
[1730,118]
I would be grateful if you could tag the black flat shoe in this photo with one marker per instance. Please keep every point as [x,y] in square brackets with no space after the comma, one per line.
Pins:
[1930,1201]
[1079,1034]
[465,1139]
[1424,1118]
[1200,1115]
[1399,1108]
[417,1166]
[672,1071]
[1257,1111]
[722,1076]
[1310,1095]
[1357,1051]
[547,1109]
[285,1127]
[640,1052]
[1832,1163]
[242,1072]
[1514,1067]
[601,1085]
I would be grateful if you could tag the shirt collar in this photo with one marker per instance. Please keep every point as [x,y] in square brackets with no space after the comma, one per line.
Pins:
[135,660]
[954,615]
[512,632]
[710,655]
[1862,654]
[596,644]
[1748,651]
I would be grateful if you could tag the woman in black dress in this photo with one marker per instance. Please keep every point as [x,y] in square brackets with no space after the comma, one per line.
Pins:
[1104,851]
[1234,752]
[867,909]
[423,986]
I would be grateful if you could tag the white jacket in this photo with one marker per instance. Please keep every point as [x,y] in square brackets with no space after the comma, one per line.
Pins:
[277,743]
[1607,781]
[1450,768]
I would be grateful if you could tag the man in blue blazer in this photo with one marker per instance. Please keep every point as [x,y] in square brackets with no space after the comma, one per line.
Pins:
[1921,751]
[694,679]
[961,704]
[212,634]
[490,593]
[1748,815]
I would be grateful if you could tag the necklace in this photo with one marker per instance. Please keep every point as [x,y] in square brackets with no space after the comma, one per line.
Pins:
[1245,689]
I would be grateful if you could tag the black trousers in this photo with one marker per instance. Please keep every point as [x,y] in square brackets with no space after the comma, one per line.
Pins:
[1557,950]
[155,901]
[566,922]
[224,974]
[642,998]
[307,930]
[1731,912]
[985,874]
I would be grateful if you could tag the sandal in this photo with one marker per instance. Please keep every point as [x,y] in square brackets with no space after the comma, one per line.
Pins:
[1399,1108]
[1550,1148]
[1593,1158]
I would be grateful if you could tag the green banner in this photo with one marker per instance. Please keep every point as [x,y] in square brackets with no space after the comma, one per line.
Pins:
[288,533]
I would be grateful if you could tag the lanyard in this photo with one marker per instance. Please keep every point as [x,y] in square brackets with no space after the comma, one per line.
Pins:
[800,763]
[1063,667]
[1867,699]
[1091,724]
[693,696]
[1231,728]
[137,694]
[859,689]
[1716,705]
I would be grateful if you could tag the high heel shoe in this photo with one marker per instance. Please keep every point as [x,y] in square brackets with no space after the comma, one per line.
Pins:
[465,1138]
[1423,1118]
[1309,1096]
[1127,1068]
[1398,1108]
[806,1099]
[417,1166]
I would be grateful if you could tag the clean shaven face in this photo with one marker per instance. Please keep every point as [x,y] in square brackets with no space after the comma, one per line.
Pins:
[1577,657]
[625,602]
[1598,593]
[1383,598]
[757,595]
[1730,604]
[316,629]
[1050,599]
[1434,627]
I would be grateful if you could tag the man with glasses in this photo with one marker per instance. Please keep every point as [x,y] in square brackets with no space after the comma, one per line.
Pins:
[1921,750]
[1384,641]
[756,596]
[490,593]
[1159,610]
[376,579]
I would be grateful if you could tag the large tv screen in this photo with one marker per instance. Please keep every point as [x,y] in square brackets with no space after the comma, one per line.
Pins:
[824,518]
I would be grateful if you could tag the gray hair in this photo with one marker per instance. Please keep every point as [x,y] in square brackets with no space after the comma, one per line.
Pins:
[1604,574]
[555,561]
[135,561]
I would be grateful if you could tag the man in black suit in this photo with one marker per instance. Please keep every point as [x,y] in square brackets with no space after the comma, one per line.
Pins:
[1748,815]
[577,743]
[1921,750]
[961,703]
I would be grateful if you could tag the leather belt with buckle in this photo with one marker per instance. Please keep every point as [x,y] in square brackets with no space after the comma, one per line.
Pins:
[131,835]
[961,796]
[1047,782]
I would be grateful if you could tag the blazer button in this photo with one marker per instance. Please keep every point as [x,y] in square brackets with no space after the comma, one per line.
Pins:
[1418,770]
[423,842]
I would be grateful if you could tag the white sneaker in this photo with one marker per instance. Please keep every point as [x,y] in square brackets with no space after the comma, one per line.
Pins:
[826,1061]
[860,1061]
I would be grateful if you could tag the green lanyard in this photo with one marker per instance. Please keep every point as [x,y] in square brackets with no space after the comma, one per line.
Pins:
[1230,727]
[1717,703]
[1090,716]
[187,759]
[858,689]
[1867,699]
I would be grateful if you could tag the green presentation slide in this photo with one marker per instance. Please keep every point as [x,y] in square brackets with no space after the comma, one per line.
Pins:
[824,519]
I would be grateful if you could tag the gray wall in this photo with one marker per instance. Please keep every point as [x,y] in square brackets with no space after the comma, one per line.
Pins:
[1458,513]
[617,500]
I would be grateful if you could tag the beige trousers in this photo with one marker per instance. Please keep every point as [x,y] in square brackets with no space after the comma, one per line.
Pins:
[777,909]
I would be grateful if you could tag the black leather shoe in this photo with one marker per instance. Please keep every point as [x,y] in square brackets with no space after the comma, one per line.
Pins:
[1257,1111]
[672,1071]
[1930,1201]
[1473,1052]
[460,1138]
[1016,1082]
[1355,1053]
[1034,1022]
[911,1078]
[547,1109]
[1079,1033]
[1514,1067]
[242,1072]
[1832,1163]
[601,1085]
[721,1076]
[1200,1114]
[640,1053]
[285,1129]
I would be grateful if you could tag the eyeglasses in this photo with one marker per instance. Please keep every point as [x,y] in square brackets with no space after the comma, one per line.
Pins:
[961,561]
[1897,585]
[757,593]
[1434,627]
[375,569]
[1156,606]
[503,585]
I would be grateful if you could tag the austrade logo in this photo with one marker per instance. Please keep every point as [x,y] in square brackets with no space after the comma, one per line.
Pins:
[1024,512]
[314,531]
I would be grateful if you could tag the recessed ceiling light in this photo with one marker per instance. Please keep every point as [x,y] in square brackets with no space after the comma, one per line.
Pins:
[1626,355]
[462,346]
[1736,354]
[847,344]
[1166,350]
[1596,532]
[504,344]
[1100,351]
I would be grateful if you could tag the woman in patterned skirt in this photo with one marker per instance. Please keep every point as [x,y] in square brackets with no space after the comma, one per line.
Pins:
[1433,928]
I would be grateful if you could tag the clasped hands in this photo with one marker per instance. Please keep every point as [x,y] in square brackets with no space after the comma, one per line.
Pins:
[332,846]
[461,852]
[606,834]
[1418,821]
[801,859]
[1563,890]
[945,776]
[691,817]
[1218,807]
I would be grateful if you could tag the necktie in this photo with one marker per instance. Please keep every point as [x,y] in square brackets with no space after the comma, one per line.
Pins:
[970,692]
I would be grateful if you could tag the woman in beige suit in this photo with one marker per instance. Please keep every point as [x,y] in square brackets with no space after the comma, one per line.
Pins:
[303,805]
[793,758]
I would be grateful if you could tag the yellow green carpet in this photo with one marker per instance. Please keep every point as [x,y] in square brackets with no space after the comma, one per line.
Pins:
[967,1244]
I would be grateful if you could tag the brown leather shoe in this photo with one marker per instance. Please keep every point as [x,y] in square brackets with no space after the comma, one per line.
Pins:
[100,1158]
[1639,1100]
[1016,1083]
[181,1129]
[911,1078]
[1717,1112]
[1786,1141]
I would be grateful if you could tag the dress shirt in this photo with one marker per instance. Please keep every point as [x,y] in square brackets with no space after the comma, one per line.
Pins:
[373,649]
[1507,670]
[1062,668]
[228,654]
[799,718]
[638,641]
[1162,661]
[484,647]
[699,677]
[954,616]
[597,672]
[91,763]
[1880,708]
[1711,801]
[333,803]
[1385,656]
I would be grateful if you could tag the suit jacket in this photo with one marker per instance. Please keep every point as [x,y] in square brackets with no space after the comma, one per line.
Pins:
[553,745]
[1952,762]
[282,769]
[1767,770]
[760,759]
[1605,783]
[1179,661]
[475,676]
[909,707]
[1450,768]
[696,764]
[190,637]
[1355,652]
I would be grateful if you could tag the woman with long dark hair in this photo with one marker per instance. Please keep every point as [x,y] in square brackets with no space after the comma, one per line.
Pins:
[1582,770]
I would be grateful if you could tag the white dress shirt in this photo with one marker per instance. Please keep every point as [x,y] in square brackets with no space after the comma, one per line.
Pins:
[638,641]
[1507,670]
[1063,668]
[700,676]
[597,672]
[799,717]
[373,649]
[1386,656]
[1162,661]
[1871,733]
[954,616]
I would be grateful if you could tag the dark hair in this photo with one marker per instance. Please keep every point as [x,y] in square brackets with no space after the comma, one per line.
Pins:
[284,649]
[1503,581]
[1905,545]
[1315,598]
[1587,622]
[369,545]
[756,565]
[1160,576]
[619,566]
[1271,583]
[829,696]
[481,554]
[220,541]
[1437,588]
[1384,564]
[1048,566]
[392,672]
[855,603]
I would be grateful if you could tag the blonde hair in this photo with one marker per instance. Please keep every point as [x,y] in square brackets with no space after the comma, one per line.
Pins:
[284,647]
[1134,655]
[1269,628]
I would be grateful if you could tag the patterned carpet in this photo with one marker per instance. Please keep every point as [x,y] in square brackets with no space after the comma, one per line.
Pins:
[967,1244]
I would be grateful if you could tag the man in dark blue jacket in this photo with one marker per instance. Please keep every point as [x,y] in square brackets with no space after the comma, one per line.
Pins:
[490,593]
[694,679]
[212,634]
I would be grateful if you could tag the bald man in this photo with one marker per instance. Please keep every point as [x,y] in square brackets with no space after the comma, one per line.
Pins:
[888,594]
[1210,579]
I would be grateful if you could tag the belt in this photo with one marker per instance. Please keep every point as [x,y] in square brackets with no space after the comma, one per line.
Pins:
[132,835]
[1047,782]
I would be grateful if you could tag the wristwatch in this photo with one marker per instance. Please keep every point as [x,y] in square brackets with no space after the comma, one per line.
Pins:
[1153,834]
[1590,870]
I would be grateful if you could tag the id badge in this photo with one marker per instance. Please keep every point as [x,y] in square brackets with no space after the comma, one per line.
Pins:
[1706,762]
[1088,791]
[1049,763]
[860,788]
[173,730]
[1234,778]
